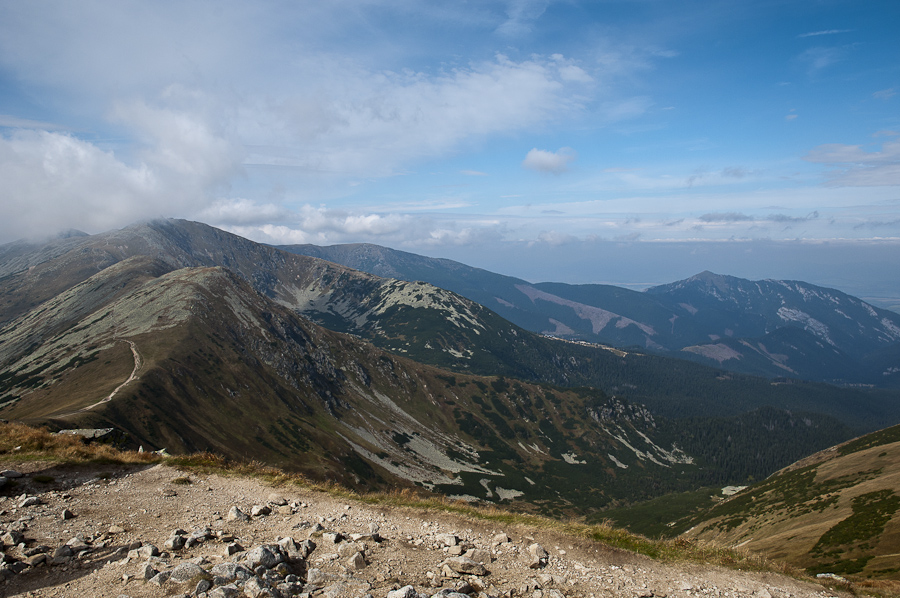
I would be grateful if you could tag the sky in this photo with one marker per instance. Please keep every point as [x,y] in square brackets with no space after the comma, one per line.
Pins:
[630,142]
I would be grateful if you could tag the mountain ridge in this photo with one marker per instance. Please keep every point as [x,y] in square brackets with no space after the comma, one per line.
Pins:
[208,342]
[664,319]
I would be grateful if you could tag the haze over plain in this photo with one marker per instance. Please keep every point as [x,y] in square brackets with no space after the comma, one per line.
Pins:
[630,142]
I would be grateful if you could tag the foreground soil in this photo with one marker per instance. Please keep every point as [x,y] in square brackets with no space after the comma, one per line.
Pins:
[104,513]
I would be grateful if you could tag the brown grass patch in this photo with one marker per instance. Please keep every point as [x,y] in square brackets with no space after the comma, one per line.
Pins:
[38,444]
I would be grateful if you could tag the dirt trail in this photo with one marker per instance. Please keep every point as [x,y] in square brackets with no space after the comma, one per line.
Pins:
[138,364]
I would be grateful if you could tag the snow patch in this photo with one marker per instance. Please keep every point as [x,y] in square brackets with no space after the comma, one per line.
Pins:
[572,459]
[809,323]
[617,462]
[508,494]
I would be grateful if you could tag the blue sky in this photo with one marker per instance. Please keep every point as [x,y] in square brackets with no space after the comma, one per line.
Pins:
[632,142]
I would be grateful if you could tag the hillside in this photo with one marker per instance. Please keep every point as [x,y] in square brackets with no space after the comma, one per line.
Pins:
[195,360]
[191,339]
[131,526]
[837,511]
[771,328]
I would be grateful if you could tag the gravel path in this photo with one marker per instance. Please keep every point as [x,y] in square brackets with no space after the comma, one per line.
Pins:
[106,514]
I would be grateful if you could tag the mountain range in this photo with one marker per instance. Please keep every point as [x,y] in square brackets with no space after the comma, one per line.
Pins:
[772,328]
[193,339]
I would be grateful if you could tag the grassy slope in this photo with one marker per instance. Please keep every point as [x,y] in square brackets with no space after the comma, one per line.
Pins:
[837,511]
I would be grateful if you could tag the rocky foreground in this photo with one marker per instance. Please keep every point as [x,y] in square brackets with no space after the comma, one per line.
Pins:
[154,531]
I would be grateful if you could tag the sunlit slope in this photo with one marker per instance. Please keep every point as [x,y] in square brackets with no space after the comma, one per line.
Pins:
[837,511]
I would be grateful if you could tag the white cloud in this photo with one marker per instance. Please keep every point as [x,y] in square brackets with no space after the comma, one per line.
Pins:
[241,212]
[852,166]
[551,162]
[53,181]
[824,32]
[324,226]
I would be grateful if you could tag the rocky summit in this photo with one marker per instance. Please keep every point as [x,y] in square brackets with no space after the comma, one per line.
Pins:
[152,531]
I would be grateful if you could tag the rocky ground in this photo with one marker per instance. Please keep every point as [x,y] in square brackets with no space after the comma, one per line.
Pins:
[154,531]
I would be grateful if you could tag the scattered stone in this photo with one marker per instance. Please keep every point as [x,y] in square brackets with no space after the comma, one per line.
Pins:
[266,556]
[186,572]
[202,586]
[332,537]
[63,551]
[276,499]
[357,562]
[465,566]
[235,514]
[160,578]
[404,592]
[227,591]
[175,543]
[480,555]
[231,571]
[538,557]
[144,552]
[499,539]
[66,514]
[11,474]
[30,502]
[260,511]
[116,529]
[35,560]
[147,572]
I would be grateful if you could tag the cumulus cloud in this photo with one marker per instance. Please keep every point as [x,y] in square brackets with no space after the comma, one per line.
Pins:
[852,166]
[326,226]
[550,162]
[54,181]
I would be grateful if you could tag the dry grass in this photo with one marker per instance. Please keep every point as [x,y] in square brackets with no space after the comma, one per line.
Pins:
[25,443]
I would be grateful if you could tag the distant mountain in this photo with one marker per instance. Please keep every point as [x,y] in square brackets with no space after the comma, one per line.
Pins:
[191,338]
[835,512]
[769,328]
[193,359]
